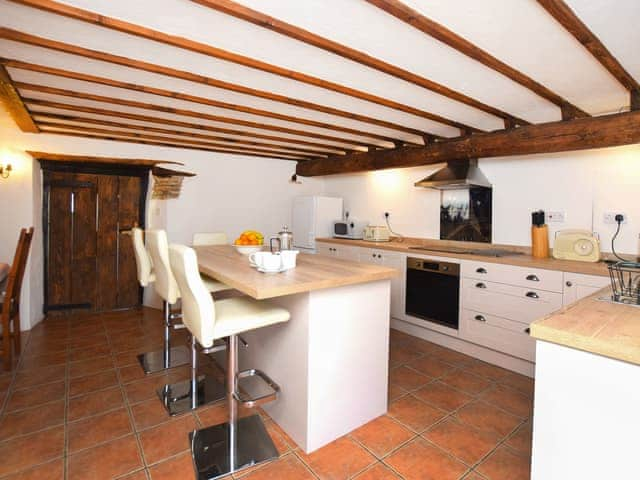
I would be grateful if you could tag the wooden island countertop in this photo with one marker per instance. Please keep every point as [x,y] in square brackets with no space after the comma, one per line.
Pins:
[313,272]
[595,326]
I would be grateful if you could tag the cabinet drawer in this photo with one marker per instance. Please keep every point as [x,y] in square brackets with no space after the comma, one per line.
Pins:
[499,334]
[539,279]
[520,304]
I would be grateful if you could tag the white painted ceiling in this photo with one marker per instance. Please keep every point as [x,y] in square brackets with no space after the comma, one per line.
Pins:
[517,32]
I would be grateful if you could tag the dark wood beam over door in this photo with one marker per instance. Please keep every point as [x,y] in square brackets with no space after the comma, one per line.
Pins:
[214,52]
[583,34]
[22,37]
[579,134]
[271,23]
[14,104]
[441,33]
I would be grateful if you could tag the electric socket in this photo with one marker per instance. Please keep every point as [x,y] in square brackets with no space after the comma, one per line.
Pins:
[610,218]
[555,217]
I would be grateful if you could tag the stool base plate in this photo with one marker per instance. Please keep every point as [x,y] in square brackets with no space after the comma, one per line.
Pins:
[152,362]
[176,397]
[211,448]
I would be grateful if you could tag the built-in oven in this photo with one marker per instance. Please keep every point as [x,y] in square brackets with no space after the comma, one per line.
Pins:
[433,290]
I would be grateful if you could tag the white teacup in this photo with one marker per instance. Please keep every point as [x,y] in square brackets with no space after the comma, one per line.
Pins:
[289,258]
[271,262]
[256,259]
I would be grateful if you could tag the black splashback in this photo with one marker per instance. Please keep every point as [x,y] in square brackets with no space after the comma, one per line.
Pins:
[466,214]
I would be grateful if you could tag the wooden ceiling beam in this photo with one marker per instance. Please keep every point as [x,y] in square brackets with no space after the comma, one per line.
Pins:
[186,97]
[441,33]
[173,138]
[22,37]
[563,14]
[14,104]
[167,121]
[209,50]
[302,35]
[569,135]
[189,113]
[48,117]
[165,144]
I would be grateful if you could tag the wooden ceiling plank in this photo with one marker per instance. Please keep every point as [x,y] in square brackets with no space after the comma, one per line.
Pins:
[129,126]
[204,116]
[414,18]
[302,35]
[186,97]
[22,37]
[166,121]
[62,157]
[568,135]
[169,144]
[194,46]
[13,103]
[564,15]
[129,133]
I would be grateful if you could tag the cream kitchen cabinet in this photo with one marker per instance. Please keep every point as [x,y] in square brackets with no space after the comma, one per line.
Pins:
[339,251]
[391,260]
[577,286]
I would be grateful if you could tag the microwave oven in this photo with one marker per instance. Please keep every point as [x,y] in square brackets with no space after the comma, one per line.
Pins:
[349,229]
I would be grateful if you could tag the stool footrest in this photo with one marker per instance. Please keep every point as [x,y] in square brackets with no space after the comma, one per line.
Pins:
[215,348]
[251,402]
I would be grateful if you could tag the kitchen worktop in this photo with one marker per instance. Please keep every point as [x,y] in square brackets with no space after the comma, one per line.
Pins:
[523,260]
[313,272]
[594,326]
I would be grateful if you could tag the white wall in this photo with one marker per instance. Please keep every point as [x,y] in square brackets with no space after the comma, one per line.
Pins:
[581,184]
[230,193]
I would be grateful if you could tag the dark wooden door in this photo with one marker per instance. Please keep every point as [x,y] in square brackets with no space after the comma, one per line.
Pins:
[89,254]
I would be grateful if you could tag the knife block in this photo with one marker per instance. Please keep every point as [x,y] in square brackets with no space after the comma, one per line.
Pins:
[540,241]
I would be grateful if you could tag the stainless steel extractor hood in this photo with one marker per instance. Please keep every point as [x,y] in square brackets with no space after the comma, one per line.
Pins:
[457,174]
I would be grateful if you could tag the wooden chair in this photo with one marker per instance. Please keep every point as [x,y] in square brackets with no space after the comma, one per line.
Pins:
[10,315]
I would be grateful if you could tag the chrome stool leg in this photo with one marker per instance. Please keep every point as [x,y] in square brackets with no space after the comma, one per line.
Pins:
[190,394]
[168,357]
[240,443]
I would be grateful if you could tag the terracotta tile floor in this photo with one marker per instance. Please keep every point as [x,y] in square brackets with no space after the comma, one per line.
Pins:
[78,407]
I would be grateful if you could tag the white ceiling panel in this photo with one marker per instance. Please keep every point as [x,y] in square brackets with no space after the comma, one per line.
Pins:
[615,23]
[522,34]
[195,22]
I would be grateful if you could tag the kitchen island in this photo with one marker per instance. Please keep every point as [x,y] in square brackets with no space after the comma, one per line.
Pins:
[586,417]
[331,358]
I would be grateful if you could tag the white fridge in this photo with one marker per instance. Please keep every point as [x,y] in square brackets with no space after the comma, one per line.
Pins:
[313,217]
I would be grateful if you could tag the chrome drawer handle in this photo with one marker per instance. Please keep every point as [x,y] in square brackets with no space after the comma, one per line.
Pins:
[481,270]
[533,278]
[480,285]
[480,318]
[533,295]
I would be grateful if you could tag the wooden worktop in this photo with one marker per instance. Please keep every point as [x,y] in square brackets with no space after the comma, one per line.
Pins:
[604,328]
[524,260]
[313,272]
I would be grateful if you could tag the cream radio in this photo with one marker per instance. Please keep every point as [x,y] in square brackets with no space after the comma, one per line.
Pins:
[581,245]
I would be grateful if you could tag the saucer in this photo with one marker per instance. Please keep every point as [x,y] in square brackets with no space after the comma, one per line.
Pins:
[260,269]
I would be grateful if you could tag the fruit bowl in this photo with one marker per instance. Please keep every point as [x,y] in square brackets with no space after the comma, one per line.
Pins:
[248,249]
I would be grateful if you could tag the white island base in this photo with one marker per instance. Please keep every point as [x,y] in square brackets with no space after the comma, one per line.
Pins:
[330,360]
[587,416]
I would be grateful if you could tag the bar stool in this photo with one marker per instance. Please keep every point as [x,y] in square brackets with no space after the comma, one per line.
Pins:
[209,238]
[240,442]
[166,287]
[143,261]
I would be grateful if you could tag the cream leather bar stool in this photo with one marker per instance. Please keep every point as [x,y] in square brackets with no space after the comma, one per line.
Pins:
[240,442]
[143,261]
[210,238]
[166,287]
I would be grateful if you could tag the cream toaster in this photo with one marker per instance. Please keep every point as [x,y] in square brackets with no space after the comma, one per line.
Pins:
[581,245]
[374,233]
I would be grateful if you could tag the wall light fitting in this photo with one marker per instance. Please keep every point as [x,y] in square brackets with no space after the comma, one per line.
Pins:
[5,170]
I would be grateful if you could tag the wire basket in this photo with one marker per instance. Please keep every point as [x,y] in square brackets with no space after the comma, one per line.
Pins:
[625,282]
